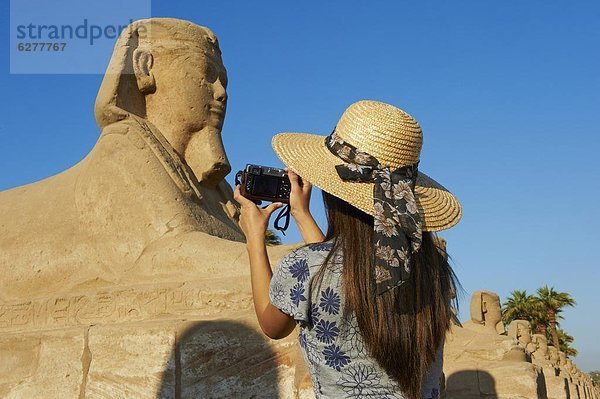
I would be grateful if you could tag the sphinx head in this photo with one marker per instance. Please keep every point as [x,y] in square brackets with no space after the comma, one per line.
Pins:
[562,358]
[521,331]
[541,343]
[170,72]
[485,308]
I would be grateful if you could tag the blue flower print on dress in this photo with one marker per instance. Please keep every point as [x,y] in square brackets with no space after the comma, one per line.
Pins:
[360,380]
[278,292]
[321,246]
[313,314]
[302,339]
[327,331]
[311,350]
[297,294]
[334,350]
[350,334]
[335,357]
[330,301]
[299,270]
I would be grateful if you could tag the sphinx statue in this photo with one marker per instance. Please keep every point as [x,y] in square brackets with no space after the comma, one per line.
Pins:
[540,353]
[479,360]
[563,361]
[558,359]
[486,315]
[155,174]
[565,368]
[521,331]
[571,368]
[556,385]
[126,275]
[553,356]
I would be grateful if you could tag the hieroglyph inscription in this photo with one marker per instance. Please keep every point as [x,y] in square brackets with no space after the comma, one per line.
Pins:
[131,304]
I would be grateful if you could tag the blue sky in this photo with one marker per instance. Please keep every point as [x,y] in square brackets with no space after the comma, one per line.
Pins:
[507,94]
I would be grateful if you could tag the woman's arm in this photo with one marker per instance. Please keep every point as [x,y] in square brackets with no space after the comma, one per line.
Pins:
[309,229]
[274,323]
[253,222]
[299,208]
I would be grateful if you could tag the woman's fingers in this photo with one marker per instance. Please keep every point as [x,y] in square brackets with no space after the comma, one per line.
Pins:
[306,185]
[295,180]
[243,201]
[272,207]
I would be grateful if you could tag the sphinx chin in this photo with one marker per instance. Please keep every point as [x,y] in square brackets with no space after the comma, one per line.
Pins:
[206,157]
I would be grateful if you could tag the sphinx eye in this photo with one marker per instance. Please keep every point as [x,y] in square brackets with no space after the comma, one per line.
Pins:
[209,73]
[223,79]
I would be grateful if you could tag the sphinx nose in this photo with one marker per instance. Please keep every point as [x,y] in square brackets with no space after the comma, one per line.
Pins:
[220,94]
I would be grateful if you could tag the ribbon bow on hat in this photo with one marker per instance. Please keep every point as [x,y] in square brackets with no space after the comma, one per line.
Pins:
[397,223]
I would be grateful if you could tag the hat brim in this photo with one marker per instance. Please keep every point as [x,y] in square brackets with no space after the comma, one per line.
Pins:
[307,155]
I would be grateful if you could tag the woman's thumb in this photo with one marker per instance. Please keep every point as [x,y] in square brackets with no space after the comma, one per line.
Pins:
[272,207]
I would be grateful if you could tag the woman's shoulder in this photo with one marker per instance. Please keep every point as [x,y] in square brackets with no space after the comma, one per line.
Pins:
[316,253]
[320,247]
[311,251]
[305,261]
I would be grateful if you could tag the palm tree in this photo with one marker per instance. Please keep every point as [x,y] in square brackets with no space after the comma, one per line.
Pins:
[518,306]
[539,318]
[271,238]
[565,341]
[553,303]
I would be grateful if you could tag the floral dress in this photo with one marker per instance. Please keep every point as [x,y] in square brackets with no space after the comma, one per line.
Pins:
[333,348]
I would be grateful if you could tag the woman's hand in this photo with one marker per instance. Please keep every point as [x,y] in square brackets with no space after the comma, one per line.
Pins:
[299,203]
[299,195]
[253,220]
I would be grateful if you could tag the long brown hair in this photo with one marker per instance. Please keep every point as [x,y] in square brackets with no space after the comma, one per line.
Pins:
[402,328]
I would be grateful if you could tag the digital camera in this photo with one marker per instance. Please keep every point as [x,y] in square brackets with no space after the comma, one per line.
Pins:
[264,183]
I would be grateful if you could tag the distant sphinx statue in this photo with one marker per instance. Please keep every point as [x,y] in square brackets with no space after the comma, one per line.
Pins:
[486,315]
[556,385]
[553,356]
[155,174]
[566,369]
[562,359]
[481,345]
[521,331]
[571,368]
[540,353]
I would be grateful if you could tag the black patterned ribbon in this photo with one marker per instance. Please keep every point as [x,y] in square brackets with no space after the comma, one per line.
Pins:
[397,223]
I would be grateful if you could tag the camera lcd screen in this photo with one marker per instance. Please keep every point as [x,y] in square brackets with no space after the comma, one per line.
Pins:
[265,186]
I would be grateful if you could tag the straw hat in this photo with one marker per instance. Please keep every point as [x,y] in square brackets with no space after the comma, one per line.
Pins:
[383,131]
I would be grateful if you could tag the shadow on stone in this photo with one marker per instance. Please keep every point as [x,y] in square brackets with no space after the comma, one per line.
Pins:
[221,359]
[470,384]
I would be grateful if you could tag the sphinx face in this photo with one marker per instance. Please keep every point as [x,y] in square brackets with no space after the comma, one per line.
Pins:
[524,333]
[562,358]
[541,344]
[189,107]
[553,354]
[203,93]
[491,307]
[207,99]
